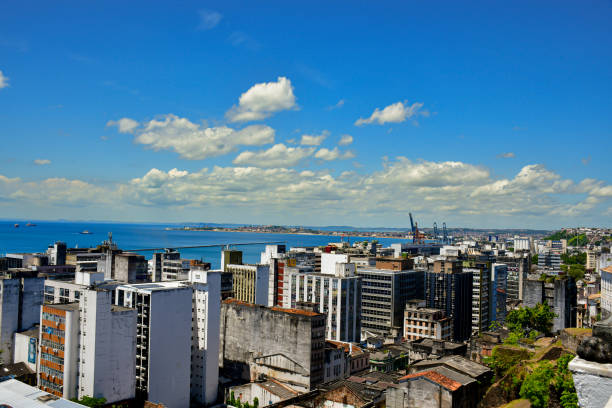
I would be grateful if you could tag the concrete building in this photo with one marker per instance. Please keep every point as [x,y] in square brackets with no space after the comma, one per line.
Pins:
[481,293]
[450,289]
[230,256]
[338,296]
[250,282]
[498,291]
[163,325]
[606,291]
[549,261]
[107,348]
[287,345]
[522,244]
[59,349]
[130,268]
[337,363]
[384,293]
[329,261]
[518,264]
[21,295]
[560,295]
[57,253]
[26,347]
[426,323]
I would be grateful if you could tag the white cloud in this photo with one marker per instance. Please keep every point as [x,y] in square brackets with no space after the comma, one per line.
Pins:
[334,154]
[3,80]
[278,155]
[337,105]
[345,140]
[263,100]
[209,19]
[508,155]
[395,113]
[42,162]
[194,141]
[124,125]
[314,140]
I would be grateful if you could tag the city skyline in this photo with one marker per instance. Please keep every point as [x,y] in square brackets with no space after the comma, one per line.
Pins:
[477,115]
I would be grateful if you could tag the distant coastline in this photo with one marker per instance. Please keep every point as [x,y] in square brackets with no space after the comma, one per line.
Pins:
[297,231]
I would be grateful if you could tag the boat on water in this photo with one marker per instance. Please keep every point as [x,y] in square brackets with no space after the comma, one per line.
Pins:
[86,232]
[16,225]
[29,224]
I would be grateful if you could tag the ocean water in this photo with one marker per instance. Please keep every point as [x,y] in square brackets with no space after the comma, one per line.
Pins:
[137,236]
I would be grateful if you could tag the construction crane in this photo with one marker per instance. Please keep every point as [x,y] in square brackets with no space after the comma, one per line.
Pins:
[435,231]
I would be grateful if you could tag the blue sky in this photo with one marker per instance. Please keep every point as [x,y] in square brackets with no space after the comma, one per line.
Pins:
[499,112]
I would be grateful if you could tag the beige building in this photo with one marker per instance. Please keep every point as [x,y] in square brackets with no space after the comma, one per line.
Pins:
[250,283]
[426,323]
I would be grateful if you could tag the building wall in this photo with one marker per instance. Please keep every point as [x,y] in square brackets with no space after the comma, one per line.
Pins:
[26,349]
[452,292]
[534,293]
[108,348]
[329,261]
[9,314]
[419,393]
[248,332]
[31,301]
[606,293]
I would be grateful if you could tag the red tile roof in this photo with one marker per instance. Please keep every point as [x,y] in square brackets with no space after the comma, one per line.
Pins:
[435,377]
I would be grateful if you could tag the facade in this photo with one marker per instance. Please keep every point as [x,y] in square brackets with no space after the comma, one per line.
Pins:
[130,268]
[59,349]
[591,260]
[522,244]
[518,264]
[230,256]
[499,288]
[26,347]
[560,295]
[287,345]
[426,323]
[549,261]
[606,291]
[481,294]
[163,340]
[250,282]
[107,348]
[21,295]
[337,364]
[338,296]
[450,289]
[384,294]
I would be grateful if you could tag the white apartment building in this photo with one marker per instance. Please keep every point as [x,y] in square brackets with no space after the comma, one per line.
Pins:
[522,244]
[177,351]
[250,283]
[163,345]
[107,347]
[606,291]
[329,261]
[337,295]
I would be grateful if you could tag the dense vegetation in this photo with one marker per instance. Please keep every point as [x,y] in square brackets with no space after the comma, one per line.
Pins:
[548,380]
[528,322]
[236,402]
[572,239]
[90,402]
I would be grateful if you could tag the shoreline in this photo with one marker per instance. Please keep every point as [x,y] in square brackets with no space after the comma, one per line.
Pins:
[321,233]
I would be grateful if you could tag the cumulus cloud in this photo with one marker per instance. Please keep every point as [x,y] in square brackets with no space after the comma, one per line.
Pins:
[209,19]
[314,140]
[42,162]
[334,154]
[3,80]
[345,140]
[451,189]
[124,125]
[508,155]
[194,141]
[278,155]
[395,113]
[263,100]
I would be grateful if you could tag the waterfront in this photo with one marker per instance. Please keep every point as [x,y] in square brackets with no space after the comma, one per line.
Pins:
[133,236]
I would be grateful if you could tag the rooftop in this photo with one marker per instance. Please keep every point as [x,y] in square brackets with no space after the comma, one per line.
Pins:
[457,363]
[278,389]
[16,394]
[156,286]
[435,377]
[63,306]
[31,332]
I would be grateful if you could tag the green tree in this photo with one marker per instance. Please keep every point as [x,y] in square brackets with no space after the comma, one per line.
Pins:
[534,259]
[526,319]
[90,401]
[256,403]
[536,385]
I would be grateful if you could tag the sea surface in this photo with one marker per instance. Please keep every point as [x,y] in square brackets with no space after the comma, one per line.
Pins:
[139,236]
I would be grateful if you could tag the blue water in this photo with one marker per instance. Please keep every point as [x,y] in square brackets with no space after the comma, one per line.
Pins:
[136,236]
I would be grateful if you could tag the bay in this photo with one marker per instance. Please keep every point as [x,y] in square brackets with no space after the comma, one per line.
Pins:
[136,236]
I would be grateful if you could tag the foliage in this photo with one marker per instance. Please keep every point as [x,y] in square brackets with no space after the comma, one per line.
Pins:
[534,259]
[504,358]
[256,403]
[576,271]
[535,386]
[572,239]
[578,258]
[559,235]
[524,320]
[564,383]
[90,401]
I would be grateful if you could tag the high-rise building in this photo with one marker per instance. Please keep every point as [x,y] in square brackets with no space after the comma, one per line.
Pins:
[481,293]
[57,253]
[230,256]
[385,290]
[181,317]
[338,296]
[606,291]
[450,289]
[549,261]
[518,264]
[250,282]
[88,348]
[499,287]
[21,295]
